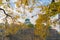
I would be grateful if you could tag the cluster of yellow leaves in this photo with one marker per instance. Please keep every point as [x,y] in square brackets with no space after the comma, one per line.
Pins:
[16,17]
[14,28]
[25,2]
[42,29]
[20,2]
[0,1]
[30,9]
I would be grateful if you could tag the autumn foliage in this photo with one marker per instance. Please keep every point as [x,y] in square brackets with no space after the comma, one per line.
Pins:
[43,22]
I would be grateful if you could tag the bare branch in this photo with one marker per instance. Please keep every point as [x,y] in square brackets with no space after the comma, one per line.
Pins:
[53,1]
[5,12]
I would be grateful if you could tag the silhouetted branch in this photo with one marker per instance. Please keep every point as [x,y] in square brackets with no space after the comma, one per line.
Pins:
[53,1]
[5,12]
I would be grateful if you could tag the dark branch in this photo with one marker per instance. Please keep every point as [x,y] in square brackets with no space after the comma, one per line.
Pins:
[53,1]
[5,12]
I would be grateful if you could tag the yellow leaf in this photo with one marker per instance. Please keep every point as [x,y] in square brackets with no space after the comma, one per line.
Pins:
[25,2]
[0,1]
[18,3]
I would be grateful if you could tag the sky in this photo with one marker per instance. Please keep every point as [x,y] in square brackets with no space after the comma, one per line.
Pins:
[45,2]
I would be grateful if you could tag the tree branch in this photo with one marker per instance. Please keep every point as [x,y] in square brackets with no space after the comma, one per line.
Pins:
[5,12]
[53,1]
